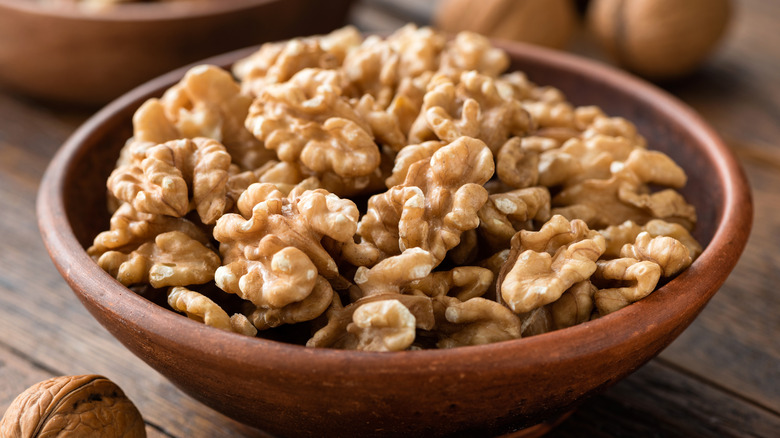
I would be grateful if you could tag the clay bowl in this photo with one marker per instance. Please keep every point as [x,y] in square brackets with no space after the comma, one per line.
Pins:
[291,390]
[69,54]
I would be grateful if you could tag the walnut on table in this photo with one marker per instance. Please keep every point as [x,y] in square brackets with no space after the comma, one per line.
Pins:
[73,406]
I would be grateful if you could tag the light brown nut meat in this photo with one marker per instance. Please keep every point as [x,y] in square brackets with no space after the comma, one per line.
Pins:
[278,62]
[73,406]
[435,204]
[463,283]
[669,253]
[312,306]
[409,155]
[619,235]
[130,229]
[378,67]
[273,254]
[202,309]
[507,213]
[537,321]
[470,51]
[384,125]
[307,119]
[383,326]
[207,102]
[160,184]
[172,259]
[475,321]
[394,273]
[469,106]
[625,195]
[578,160]
[639,277]
[544,264]
[600,124]
[335,334]
[574,307]
[517,165]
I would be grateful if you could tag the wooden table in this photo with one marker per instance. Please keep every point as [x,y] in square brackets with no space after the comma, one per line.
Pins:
[720,378]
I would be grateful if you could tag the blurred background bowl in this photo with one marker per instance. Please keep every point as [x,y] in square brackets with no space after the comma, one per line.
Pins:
[71,54]
[471,391]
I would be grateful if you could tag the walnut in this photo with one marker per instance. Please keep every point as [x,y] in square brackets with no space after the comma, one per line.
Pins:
[470,51]
[383,326]
[542,265]
[626,195]
[172,259]
[278,62]
[517,163]
[310,307]
[379,66]
[667,252]
[626,233]
[636,279]
[207,102]
[474,321]
[202,309]
[307,119]
[578,160]
[463,283]
[272,255]
[548,23]
[345,331]
[659,39]
[394,273]
[472,106]
[162,182]
[73,406]
[435,204]
[131,228]
[575,306]
[507,213]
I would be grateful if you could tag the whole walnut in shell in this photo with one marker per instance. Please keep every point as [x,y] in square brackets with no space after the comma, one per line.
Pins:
[72,406]
[547,23]
[659,39]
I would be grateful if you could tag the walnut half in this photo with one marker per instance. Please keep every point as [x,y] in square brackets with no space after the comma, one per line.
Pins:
[73,406]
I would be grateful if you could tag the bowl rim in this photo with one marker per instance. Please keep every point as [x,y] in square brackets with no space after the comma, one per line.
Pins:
[133,12]
[727,244]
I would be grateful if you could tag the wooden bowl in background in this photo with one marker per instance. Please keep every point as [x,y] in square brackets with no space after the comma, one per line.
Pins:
[67,54]
[489,389]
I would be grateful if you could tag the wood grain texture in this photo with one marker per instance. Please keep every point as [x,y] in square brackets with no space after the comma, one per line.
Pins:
[721,377]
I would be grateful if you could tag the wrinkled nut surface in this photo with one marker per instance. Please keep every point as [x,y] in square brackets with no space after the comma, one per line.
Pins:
[73,406]
[389,193]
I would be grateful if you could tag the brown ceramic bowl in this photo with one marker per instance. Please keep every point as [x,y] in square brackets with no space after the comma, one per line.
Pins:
[68,54]
[292,390]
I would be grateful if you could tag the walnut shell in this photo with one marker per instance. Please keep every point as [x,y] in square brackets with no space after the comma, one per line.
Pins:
[547,23]
[72,406]
[659,39]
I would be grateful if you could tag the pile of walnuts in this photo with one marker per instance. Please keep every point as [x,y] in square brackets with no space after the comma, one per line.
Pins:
[388,194]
